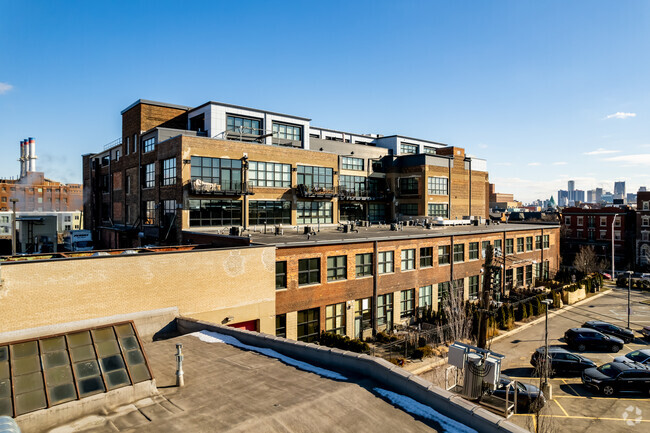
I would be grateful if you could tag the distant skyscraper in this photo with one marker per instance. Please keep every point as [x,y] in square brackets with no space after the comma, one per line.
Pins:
[619,188]
[571,190]
[599,195]
[642,189]
[579,196]
[562,198]
[631,198]
[590,196]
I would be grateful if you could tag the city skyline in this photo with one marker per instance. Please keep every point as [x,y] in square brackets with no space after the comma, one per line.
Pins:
[541,110]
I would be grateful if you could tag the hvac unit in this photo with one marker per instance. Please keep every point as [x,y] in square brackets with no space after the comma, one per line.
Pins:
[474,374]
[492,372]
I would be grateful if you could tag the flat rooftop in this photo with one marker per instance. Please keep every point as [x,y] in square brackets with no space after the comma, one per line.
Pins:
[332,235]
[229,389]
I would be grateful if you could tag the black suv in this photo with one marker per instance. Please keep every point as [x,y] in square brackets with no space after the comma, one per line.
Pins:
[613,377]
[582,339]
[529,397]
[607,328]
[562,361]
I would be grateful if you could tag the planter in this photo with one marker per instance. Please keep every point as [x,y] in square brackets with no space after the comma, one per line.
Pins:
[572,297]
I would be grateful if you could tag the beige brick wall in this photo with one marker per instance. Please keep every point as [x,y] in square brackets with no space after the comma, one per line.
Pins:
[209,285]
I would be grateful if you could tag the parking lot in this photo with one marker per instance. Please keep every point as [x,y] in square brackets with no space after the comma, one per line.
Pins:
[574,408]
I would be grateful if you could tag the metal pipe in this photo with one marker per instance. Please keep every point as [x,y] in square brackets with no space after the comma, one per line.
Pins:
[613,222]
[180,380]
[13,226]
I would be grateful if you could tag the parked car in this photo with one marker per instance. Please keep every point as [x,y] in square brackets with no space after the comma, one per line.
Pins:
[614,377]
[641,356]
[562,361]
[529,397]
[607,328]
[607,276]
[582,339]
[646,332]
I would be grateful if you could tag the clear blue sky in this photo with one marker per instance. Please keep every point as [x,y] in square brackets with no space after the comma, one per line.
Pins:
[528,85]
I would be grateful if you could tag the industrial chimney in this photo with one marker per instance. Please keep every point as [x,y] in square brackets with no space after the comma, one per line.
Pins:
[31,158]
[23,159]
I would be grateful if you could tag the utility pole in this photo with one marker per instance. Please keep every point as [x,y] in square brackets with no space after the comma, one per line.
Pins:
[485,300]
[629,289]
[13,226]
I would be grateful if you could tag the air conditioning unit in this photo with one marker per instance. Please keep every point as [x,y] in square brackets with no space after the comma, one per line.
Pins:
[493,372]
[457,356]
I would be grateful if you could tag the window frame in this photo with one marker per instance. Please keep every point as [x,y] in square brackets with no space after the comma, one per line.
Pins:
[282,274]
[426,257]
[438,185]
[444,255]
[352,163]
[407,303]
[425,293]
[459,253]
[169,171]
[335,318]
[472,251]
[311,273]
[407,259]
[384,262]
[363,268]
[338,266]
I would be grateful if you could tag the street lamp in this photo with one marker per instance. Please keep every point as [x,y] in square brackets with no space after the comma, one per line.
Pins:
[629,288]
[613,222]
[13,226]
[546,388]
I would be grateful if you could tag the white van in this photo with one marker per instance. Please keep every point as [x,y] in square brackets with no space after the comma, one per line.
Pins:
[78,240]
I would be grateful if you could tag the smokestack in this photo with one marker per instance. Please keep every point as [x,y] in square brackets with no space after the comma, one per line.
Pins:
[22,158]
[32,155]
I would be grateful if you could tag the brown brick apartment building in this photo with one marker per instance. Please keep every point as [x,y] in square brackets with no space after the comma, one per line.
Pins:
[177,168]
[36,193]
[349,283]
[642,244]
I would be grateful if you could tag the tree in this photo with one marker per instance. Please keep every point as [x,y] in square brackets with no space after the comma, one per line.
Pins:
[453,307]
[586,261]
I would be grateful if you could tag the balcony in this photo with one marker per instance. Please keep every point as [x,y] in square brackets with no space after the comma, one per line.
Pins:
[359,194]
[200,187]
[311,191]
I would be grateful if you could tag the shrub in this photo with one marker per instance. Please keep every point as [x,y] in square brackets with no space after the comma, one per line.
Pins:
[422,342]
[422,352]
[343,342]
[529,306]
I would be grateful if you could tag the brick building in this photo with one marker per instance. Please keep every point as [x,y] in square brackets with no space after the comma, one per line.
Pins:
[350,283]
[177,168]
[593,227]
[642,244]
[37,193]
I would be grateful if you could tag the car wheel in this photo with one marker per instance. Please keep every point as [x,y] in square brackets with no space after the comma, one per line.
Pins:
[615,348]
[581,348]
[608,390]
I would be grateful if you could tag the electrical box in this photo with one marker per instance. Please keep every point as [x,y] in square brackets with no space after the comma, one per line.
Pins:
[493,371]
[457,356]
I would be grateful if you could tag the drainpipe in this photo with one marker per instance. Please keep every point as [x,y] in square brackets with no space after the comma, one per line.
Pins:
[470,187]
[449,161]
[375,269]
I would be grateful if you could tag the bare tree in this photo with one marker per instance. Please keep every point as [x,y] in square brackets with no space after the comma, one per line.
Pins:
[453,305]
[586,261]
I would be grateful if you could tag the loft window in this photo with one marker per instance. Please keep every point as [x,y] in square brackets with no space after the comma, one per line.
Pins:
[510,246]
[281,325]
[473,250]
[362,316]
[337,268]
[308,325]
[443,254]
[426,257]
[429,150]
[215,213]
[169,171]
[443,290]
[353,184]
[408,260]
[313,212]
[408,185]
[408,209]
[385,262]
[287,132]
[408,148]
[281,275]
[385,310]
[269,212]
[407,303]
[149,144]
[363,265]
[149,209]
[459,253]
[224,172]
[243,125]
[520,245]
[335,318]
[308,271]
[473,287]
[350,163]
[438,210]
[150,175]
[529,243]
[425,296]
[269,174]
[438,186]
[320,177]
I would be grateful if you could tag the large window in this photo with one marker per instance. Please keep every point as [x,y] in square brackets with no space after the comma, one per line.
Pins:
[407,303]
[281,275]
[149,145]
[350,163]
[520,245]
[385,262]
[337,268]
[149,209]
[408,148]
[320,177]
[269,212]
[224,172]
[376,212]
[425,296]
[312,212]
[335,318]
[287,132]
[385,310]
[269,174]
[169,210]
[538,242]
[497,247]
[473,287]
[215,213]
[362,316]
[529,274]
[529,243]
[426,257]
[438,210]
[459,253]
[408,209]
[438,186]
[509,246]
[443,291]
[353,184]
[308,271]
[408,185]
[520,275]
[281,325]
[408,259]
[169,171]
[243,125]
[545,270]
[546,241]
[443,255]
[473,250]
[308,325]
[150,175]
[351,211]
[363,265]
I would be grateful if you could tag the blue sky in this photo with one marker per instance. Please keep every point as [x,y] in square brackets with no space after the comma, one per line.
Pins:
[546,91]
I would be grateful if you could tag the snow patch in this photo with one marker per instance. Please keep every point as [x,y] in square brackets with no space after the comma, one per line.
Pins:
[413,407]
[215,337]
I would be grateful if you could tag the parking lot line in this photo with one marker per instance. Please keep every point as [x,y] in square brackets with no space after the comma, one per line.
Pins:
[597,397]
[560,406]
[595,418]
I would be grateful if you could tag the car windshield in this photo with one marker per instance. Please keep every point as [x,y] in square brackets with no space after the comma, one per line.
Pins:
[609,370]
[636,356]
[84,244]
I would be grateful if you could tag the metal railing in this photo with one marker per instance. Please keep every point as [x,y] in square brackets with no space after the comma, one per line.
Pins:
[113,143]
[200,187]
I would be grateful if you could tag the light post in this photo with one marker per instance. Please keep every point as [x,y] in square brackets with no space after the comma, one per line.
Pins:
[613,222]
[13,226]
[546,388]
[629,288]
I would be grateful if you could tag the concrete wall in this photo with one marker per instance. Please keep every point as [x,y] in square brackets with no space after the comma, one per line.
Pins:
[207,284]
[381,371]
